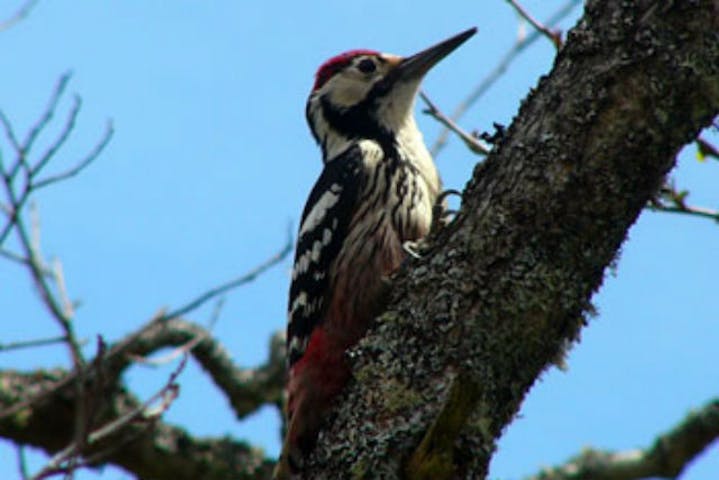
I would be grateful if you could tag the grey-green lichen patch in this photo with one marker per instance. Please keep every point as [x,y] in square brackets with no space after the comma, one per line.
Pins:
[508,284]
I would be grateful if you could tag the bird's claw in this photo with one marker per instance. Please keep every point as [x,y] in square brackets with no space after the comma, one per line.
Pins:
[411,248]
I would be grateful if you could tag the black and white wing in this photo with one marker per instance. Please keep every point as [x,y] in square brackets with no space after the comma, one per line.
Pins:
[325,221]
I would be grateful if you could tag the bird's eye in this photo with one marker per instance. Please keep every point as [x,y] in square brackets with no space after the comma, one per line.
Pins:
[366,66]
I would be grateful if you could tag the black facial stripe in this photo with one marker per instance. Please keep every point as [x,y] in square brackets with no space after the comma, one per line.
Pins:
[358,122]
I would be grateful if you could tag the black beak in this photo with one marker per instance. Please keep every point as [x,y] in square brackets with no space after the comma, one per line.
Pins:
[418,64]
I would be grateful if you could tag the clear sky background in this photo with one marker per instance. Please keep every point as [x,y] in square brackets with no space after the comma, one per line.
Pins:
[212,158]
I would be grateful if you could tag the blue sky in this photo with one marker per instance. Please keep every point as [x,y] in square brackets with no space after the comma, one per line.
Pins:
[212,158]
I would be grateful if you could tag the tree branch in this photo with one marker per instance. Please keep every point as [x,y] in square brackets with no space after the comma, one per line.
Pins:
[35,406]
[148,448]
[554,36]
[672,200]
[496,73]
[81,165]
[473,143]
[246,389]
[236,282]
[505,287]
[670,454]
[18,16]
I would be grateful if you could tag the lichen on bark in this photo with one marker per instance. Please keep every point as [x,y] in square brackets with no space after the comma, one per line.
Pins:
[503,289]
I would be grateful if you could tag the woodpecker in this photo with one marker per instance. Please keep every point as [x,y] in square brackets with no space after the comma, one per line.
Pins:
[375,194]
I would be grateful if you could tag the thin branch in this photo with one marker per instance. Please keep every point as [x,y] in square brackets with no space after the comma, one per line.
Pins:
[99,147]
[40,342]
[49,111]
[60,141]
[473,143]
[165,396]
[18,16]
[9,132]
[497,73]
[36,267]
[234,283]
[17,197]
[672,200]
[668,456]
[216,311]
[687,210]
[51,302]
[13,257]
[22,462]
[59,277]
[9,225]
[24,148]
[554,36]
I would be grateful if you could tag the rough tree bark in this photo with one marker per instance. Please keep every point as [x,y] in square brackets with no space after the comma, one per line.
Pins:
[501,291]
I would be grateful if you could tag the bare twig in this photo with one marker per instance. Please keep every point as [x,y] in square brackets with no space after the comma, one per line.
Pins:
[36,268]
[13,257]
[216,311]
[30,244]
[498,71]
[150,410]
[31,256]
[18,16]
[21,462]
[82,164]
[473,143]
[39,342]
[554,36]
[668,456]
[695,211]
[672,200]
[19,259]
[9,132]
[18,193]
[59,277]
[23,149]
[236,282]
[59,141]
[49,111]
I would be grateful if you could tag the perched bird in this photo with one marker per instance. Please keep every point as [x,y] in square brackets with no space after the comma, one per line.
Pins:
[375,194]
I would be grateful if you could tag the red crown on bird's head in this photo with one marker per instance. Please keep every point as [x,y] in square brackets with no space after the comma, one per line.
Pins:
[335,64]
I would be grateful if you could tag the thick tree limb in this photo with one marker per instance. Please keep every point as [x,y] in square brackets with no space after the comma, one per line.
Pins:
[149,449]
[37,408]
[246,389]
[666,458]
[504,288]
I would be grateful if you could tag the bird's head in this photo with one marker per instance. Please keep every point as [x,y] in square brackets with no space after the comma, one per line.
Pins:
[367,94]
